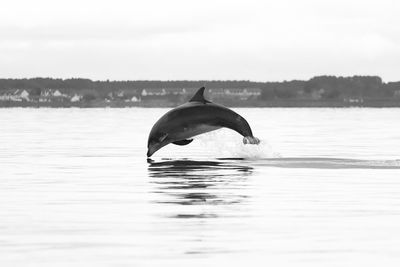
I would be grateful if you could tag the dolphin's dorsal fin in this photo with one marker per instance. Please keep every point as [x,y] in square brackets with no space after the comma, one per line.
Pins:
[199,96]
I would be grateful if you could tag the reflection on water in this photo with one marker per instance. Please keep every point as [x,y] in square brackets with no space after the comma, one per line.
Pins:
[190,182]
[186,167]
[222,181]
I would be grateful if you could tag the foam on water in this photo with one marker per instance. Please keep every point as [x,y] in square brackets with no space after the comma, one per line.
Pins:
[225,143]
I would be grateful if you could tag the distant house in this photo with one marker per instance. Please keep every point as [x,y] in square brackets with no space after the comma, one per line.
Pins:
[52,93]
[16,95]
[57,93]
[49,95]
[4,96]
[135,99]
[153,92]
[120,93]
[24,95]
[354,100]
[177,91]
[46,92]
[216,92]
[241,93]
[76,98]
[8,95]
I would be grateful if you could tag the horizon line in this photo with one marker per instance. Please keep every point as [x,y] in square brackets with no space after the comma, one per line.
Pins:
[192,80]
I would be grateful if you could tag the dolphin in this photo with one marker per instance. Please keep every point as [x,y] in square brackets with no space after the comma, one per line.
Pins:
[195,117]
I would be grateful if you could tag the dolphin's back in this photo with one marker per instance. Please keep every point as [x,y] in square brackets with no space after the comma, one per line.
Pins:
[203,117]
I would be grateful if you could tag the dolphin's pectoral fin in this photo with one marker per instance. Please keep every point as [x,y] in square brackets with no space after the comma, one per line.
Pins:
[199,96]
[251,140]
[183,142]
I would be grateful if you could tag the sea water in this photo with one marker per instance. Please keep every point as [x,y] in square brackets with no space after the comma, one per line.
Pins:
[322,189]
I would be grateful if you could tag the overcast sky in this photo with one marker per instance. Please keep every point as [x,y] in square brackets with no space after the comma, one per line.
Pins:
[206,39]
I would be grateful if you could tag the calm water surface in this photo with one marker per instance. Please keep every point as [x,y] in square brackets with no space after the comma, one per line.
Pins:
[323,189]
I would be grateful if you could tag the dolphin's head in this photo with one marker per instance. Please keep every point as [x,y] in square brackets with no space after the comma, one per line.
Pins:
[157,140]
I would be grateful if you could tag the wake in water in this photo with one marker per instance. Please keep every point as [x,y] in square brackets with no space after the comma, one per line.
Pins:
[328,163]
[227,150]
[224,149]
[305,163]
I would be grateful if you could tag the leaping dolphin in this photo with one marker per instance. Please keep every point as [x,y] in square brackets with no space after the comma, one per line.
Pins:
[195,117]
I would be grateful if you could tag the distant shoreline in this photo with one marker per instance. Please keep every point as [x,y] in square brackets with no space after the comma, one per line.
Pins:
[276,104]
[320,91]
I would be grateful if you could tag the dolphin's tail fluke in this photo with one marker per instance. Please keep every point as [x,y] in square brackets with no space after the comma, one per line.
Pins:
[251,140]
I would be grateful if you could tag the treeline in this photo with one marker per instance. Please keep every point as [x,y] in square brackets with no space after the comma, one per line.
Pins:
[331,88]
[317,91]
[80,84]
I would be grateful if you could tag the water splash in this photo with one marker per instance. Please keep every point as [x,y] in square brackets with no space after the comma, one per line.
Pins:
[228,144]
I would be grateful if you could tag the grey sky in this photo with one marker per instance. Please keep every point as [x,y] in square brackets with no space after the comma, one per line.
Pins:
[178,39]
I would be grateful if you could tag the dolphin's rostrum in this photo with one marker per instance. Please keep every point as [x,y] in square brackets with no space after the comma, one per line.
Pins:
[195,117]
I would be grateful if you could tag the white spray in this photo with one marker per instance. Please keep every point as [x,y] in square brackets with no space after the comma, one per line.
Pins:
[225,143]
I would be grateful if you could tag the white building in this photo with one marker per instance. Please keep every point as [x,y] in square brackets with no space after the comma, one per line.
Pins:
[76,98]
[15,95]
[153,92]
[135,99]
[57,93]
[24,95]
